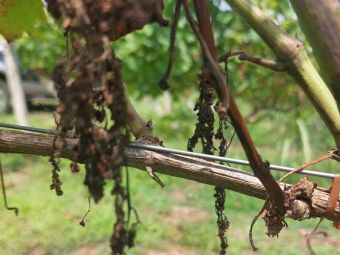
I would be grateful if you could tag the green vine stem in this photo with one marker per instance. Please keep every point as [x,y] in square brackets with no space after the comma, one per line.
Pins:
[292,52]
[320,23]
[137,125]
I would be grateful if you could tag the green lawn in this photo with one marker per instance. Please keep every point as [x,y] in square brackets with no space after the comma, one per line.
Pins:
[176,219]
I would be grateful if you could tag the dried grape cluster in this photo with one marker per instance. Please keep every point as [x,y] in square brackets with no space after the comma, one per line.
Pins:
[92,100]
[301,191]
[205,133]
[110,18]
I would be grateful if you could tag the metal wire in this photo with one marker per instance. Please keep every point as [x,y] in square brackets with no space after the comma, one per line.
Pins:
[29,129]
[227,160]
[184,153]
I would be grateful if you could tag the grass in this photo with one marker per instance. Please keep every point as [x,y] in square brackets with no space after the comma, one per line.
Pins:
[178,218]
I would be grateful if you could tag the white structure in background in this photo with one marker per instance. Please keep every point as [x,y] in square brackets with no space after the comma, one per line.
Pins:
[16,93]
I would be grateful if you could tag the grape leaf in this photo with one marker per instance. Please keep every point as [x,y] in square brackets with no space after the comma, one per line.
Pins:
[20,16]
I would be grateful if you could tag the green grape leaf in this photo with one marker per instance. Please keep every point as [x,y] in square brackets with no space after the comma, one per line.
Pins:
[20,16]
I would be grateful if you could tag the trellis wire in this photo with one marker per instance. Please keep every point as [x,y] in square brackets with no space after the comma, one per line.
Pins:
[184,153]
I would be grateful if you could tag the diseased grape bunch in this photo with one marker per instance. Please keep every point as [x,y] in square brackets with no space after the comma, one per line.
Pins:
[92,100]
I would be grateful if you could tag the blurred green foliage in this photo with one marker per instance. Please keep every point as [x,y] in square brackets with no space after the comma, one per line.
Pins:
[145,53]
[41,51]
[261,94]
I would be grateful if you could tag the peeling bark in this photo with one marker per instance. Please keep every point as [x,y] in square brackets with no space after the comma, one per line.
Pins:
[179,166]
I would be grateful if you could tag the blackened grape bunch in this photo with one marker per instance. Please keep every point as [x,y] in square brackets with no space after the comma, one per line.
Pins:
[205,133]
[92,99]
